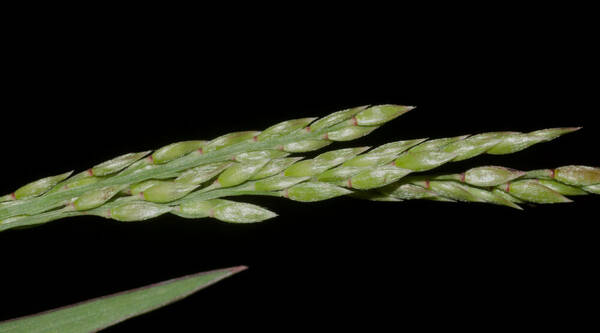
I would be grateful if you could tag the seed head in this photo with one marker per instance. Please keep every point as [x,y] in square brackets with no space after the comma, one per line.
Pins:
[374,196]
[167,191]
[259,155]
[486,196]
[176,150]
[274,167]
[382,154]
[306,145]
[350,133]
[97,197]
[240,172]
[239,212]
[377,177]
[322,162]
[12,219]
[540,174]
[578,175]
[203,173]
[224,210]
[229,139]
[507,196]
[339,156]
[380,114]
[117,164]
[532,191]
[452,190]
[472,146]
[592,188]
[197,208]
[315,191]
[512,142]
[340,174]
[490,175]
[561,188]
[284,128]
[137,211]
[277,183]
[423,160]
[80,179]
[39,187]
[408,191]
[138,188]
[437,144]
[336,118]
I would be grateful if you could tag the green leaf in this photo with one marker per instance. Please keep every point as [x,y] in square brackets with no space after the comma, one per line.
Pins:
[99,313]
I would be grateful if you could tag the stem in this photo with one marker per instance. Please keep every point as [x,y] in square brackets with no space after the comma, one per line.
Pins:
[39,219]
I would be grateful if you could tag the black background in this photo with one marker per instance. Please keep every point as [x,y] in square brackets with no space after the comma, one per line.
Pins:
[76,97]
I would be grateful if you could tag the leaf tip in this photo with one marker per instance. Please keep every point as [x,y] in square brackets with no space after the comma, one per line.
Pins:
[567,130]
[237,269]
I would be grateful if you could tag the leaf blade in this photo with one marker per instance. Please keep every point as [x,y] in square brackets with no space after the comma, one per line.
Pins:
[102,312]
